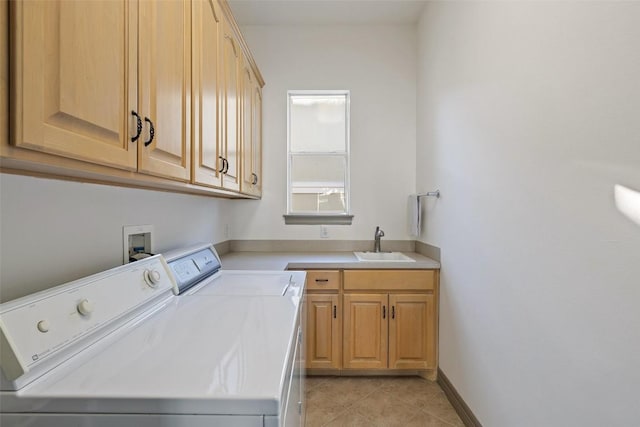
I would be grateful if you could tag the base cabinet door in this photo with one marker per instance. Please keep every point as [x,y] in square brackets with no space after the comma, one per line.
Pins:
[394,331]
[411,331]
[365,331]
[323,331]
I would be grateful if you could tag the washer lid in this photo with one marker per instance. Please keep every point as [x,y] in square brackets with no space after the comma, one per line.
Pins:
[221,355]
[254,283]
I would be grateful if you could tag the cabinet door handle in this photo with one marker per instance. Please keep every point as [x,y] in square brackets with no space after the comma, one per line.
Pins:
[152,132]
[138,126]
[254,181]
[393,311]
[384,311]
[225,165]
[335,312]
[321,280]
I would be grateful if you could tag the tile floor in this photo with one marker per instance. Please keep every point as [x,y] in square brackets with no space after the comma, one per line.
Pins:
[377,402]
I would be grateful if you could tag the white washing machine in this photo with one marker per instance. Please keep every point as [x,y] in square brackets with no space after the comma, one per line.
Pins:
[198,274]
[198,271]
[120,348]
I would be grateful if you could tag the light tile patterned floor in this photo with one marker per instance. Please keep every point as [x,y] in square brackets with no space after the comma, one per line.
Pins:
[377,402]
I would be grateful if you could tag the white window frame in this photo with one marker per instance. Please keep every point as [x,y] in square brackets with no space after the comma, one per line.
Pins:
[318,217]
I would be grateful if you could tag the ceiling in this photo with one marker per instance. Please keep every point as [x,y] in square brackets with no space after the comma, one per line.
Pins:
[325,12]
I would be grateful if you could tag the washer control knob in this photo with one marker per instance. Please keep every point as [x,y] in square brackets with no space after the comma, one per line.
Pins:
[43,326]
[152,277]
[85,307]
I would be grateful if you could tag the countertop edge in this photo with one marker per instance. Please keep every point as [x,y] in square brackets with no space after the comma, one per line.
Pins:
[319,261]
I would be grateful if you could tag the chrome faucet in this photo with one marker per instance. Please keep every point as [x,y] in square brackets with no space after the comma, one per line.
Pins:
[378,234]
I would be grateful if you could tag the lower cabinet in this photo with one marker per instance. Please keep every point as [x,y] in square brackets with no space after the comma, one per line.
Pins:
[412,331]
[365,331]
[394,331]
[324,319]
[371,320]
[323,346]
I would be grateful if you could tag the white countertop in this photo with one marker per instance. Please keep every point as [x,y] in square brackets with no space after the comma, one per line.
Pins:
[318,260]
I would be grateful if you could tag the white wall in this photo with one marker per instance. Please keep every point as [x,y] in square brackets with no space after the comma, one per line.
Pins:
[55,231]
[378,65]
[528,115]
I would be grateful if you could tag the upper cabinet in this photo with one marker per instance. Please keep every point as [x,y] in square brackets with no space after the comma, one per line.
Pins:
[207,94]
[145,93]
[251,132]
[164,88]
[231,112]
[256,141]
[75,79]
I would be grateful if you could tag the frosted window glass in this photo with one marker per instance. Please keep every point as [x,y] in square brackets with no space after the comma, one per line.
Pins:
[331,202]
[317,123]
[328,170]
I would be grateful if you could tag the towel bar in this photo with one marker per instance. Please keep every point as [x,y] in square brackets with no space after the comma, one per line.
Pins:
[430,194]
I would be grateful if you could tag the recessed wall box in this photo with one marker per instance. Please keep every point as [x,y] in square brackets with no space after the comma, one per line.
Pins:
[137,242]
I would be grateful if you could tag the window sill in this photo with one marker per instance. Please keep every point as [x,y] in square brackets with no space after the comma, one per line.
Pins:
[296,219]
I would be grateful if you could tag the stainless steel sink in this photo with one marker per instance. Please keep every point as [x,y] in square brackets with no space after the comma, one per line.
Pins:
[383,257]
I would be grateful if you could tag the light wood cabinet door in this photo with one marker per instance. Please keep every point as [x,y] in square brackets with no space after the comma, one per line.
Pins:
[251,132]
[207,93]
[246,108]
[323,340]
[231,122]
[165,88]
[75,78]
[365,331]
[256,139]
[412,331]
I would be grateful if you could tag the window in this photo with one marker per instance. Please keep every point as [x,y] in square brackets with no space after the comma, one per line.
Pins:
[318,157]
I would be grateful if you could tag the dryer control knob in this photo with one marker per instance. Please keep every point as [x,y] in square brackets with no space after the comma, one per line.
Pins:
[84,307]
[152,277]
[43,326]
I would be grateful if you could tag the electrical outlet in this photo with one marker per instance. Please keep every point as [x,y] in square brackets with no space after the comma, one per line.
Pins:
[324,232]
